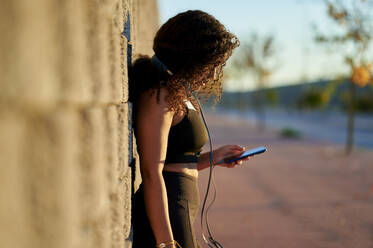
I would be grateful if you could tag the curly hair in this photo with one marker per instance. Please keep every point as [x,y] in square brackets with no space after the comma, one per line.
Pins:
[193,45]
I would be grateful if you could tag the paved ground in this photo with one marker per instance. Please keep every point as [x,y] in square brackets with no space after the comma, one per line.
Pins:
[301,193]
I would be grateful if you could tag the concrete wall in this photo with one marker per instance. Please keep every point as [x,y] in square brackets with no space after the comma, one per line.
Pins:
[66,143]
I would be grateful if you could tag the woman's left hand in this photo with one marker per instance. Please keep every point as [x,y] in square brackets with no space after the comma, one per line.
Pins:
[229,151]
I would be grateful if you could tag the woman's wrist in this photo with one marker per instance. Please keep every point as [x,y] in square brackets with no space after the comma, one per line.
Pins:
[169,244]
[215,156]
[204,160]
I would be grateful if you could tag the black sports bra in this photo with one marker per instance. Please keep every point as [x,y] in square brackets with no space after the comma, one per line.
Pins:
[186,139]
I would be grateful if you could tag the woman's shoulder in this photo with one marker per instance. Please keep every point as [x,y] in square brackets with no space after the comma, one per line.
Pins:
[155,98]
[153,95]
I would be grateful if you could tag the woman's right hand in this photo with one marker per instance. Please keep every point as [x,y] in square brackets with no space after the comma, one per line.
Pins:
[228,151]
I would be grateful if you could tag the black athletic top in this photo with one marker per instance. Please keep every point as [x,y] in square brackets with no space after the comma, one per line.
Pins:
[186,139]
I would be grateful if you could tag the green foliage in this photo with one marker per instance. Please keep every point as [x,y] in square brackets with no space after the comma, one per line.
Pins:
[272,97]
[313,98]
[290,133]
[363,103]
[316,97]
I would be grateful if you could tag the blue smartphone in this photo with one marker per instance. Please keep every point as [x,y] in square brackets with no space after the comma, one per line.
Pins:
[246,154]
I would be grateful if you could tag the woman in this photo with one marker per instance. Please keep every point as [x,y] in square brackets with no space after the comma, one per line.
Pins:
[190,51]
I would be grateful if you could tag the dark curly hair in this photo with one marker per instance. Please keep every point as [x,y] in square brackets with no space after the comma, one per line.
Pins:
[193,45]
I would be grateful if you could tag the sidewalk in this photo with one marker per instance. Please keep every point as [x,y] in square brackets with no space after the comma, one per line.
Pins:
[298,194]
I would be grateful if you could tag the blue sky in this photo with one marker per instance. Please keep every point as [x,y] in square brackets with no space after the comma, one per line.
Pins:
[298,57]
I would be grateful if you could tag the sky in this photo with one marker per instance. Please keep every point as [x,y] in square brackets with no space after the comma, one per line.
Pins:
[298,57]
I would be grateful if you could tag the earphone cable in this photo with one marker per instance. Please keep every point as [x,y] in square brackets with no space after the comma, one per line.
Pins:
[215,243]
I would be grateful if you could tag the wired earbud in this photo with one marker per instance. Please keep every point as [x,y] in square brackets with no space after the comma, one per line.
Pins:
[210,241]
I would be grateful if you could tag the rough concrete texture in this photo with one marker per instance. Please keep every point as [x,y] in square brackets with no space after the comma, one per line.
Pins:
[146,25]
[65,129]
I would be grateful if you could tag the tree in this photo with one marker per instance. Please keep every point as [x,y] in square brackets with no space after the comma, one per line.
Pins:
[312,98]
[316,97]
[256,57]
[353,38]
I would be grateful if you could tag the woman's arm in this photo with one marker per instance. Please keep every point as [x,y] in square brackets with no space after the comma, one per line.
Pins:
[153,122]
[219,154]
[204,160]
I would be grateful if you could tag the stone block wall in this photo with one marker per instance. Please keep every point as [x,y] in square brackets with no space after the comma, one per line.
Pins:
[68,158]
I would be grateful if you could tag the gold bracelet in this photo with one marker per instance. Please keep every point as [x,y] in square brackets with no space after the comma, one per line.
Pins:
[167,244]
[164,245]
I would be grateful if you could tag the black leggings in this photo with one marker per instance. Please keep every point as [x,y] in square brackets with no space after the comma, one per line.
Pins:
[183,203]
